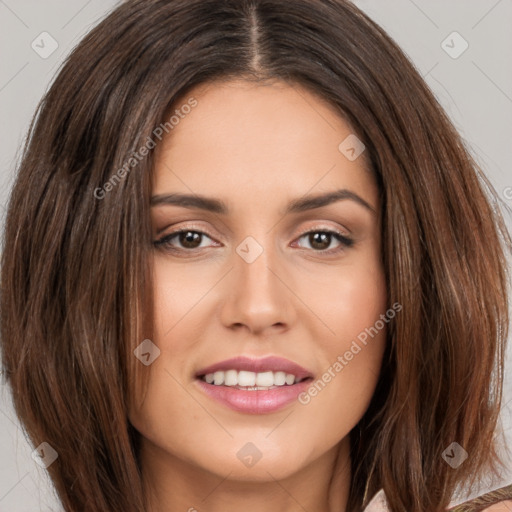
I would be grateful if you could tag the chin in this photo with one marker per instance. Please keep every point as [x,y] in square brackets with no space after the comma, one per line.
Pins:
[250,465]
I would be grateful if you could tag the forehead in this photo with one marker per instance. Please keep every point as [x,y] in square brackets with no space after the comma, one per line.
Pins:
[259,139]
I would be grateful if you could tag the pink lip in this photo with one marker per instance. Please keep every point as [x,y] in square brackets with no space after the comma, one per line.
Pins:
[265,364]
[259,401]
[254,402]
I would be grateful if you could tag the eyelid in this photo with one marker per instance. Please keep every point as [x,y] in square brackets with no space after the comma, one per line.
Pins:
[313,227]
[187,227]
[316,227]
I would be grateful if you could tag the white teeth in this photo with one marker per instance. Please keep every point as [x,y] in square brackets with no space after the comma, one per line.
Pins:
[230,378]
[289,379]
[265,379]
[262,380]
[246,378]
[279,378]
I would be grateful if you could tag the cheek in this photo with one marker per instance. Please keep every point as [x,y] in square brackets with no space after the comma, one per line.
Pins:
[354,305]
[177,290]
[338,398]
[351,298]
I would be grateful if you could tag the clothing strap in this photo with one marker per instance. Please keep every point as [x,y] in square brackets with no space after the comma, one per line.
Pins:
[485,501]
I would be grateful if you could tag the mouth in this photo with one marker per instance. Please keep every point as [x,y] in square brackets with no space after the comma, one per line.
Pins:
[254,386]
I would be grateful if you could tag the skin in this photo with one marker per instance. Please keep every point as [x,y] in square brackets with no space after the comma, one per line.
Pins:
[504,506]
[258,147]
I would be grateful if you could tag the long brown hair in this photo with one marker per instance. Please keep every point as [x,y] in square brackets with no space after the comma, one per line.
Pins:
[75,277]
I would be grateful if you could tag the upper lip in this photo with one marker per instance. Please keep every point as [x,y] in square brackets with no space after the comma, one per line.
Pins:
[265,364]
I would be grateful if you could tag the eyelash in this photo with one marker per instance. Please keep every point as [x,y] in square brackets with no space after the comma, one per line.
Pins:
[165,242]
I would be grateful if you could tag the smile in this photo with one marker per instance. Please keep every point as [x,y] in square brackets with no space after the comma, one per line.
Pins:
[254,386]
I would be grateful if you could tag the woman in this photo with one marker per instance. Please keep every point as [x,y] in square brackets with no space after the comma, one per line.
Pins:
[249,263]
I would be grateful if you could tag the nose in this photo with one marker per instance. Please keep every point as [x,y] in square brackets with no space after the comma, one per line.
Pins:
[258,292]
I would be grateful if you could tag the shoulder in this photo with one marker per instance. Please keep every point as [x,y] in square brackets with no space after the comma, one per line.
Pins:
[502,506]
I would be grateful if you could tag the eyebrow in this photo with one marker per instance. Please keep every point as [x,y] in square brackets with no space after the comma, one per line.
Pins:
[302,204]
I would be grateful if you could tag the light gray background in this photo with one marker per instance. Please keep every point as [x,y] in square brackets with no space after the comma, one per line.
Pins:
[475,89]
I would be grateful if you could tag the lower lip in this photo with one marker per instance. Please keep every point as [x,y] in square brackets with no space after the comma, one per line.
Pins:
[254,402]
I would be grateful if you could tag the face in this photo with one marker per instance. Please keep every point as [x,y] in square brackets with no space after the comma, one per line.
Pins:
[262,295]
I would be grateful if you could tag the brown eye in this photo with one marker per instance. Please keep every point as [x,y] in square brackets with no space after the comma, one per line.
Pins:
[189,239]
[185,239]
[321,240]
